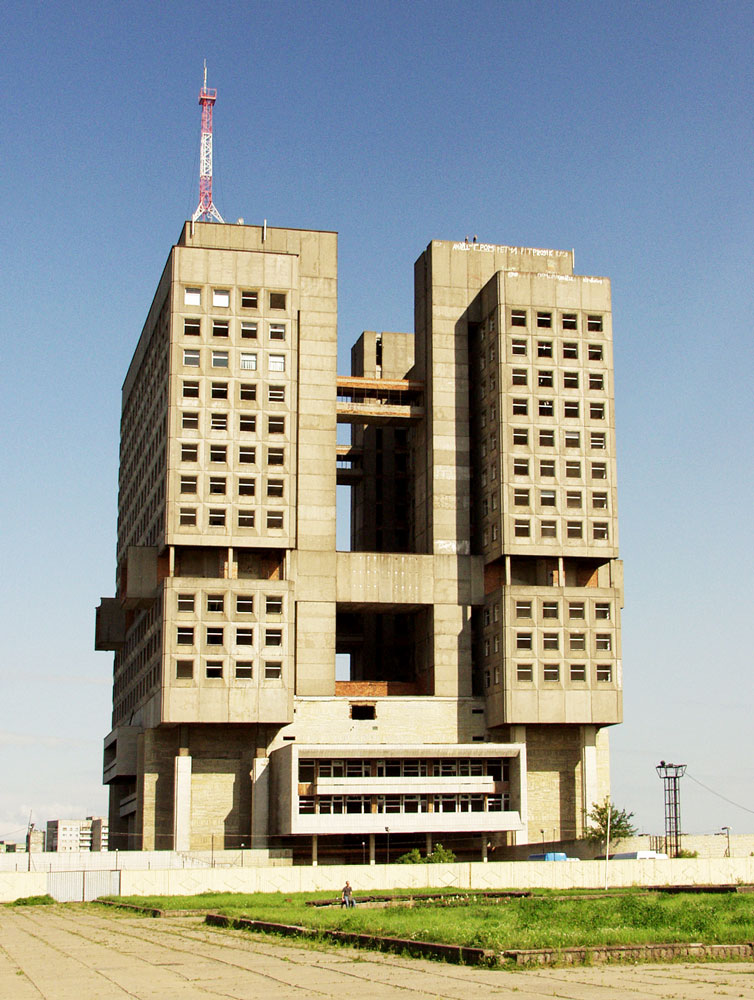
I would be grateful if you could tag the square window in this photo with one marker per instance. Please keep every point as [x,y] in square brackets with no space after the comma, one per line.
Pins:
[547,439]
[547,498]
[216,518]
[244,636]
[274,487]
[273,671]
[273,637]
[184,635]
[569,321]
[249,299]
[594,324]
[219,359]
[184,670]
[277,300]
[570,408]
[189,452]
[192,327]
[276,456]
[219,390]
[247,391]
[602,611]
[604,642]
[246,455]
[247,422]
[248,331]
[523,640]
[520,466]
[550,640]
[547,468]
[518,348]
[276,425]
[597,411]
[600,531]
[599,501]
[274,519]
[570,380]
[573,470]
[276,394]
[523,609]
[520,435]
[277,332]
[574,529]
[248,361]
[524,672]
[576,609]
[217,485]
[190,390]
[521,498]
[220,297]
[574,499]
[577,640]
[546,408]
[185,602]
[218,453]
[188,484]
[599,470]
[220,328]
[578,671]
[550,609]
[551,671]
[187,517]
[274,604]
[519,376]
[570,351]
[215,636]
[244,670]
[192,296]
[544,378]
[214,669]
[597,439]
[215,602]
[245,604]
[218,421]
[604,672]
[247,487]
[595,352]
[518,317]
[191,358]
[521,528]
[520,407]
[246,518]
[276,363]
[573,439]
[544,348]
[544,320]
[548,529]
[596,381]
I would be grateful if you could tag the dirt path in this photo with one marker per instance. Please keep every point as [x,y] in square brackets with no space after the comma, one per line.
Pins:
[79,953]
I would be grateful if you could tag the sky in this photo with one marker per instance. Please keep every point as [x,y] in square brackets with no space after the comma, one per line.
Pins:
[622,130]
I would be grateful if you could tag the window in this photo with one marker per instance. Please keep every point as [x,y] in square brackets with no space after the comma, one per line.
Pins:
[219,359]
[578,671]
[520,407]
[192,327]
[520,435]
[576,609]
[569,321]
[192,296]
[574,529]
[599,501]
[521,528]
[185,602]
[246,518]
[597,439]
[550,640]
[187,517]
[277,331]
[603,642]
[248,361]
[547,468]
[249,299]
[247,487]
[551,672]
[247,422]
[524,672]
[191,358]
[220,328]
[189,452]
[216,517]
[523,609]
[244,636]
[604,672]
[276,456]
[570,380]
[577,640]
[600,531]
[547,498]
[518,347]
[573,498]
[184,670]
[276,425]
[214,669]
[550,609]
[219,421]
[220,297]
[217,485]
[276,394]
[523,640]
[602,611]
[245,604]
[548,529]
[595,352]
[544,378]
[248,331]
[247,391]
[246,455]
[570,408]
[273,671]
[573,470]
[521,498]
[597,411]
[274,604]
[277,300]
[518,317]
[190,390]
[544,348]
[276,362]
[599,470]
[544,320]
[518,376]
[274,519]
[188,484]
[273,637]
[594,324]
[520,466]
[547,439]
[572,439]
[215,602]
[218,453]
[184,635]
[274,487]
[219,390]
[214,637]
[546,408]
[244,670]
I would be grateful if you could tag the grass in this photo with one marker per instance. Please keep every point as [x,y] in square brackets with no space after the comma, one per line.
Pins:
[542,921]
[32,901]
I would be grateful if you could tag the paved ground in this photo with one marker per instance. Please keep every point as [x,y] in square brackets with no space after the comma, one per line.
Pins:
[75,953]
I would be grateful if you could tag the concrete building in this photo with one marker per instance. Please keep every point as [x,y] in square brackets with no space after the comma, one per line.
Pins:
[65,835]
[477,613]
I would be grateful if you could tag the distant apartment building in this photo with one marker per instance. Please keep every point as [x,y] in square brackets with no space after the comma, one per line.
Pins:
[90,834]
[476,618]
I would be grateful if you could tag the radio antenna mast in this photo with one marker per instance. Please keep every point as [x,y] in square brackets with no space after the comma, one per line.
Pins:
[205,210]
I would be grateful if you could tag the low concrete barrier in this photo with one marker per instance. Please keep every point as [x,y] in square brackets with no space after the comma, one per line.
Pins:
[17,885]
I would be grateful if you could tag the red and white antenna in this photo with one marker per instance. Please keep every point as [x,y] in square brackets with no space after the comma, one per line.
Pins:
[205,210]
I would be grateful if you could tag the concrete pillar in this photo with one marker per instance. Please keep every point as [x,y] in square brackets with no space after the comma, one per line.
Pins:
[260,802]
[518,735]
[182,803]
[428,843]
[589,791]
[372,857]
[314,850]
[484,847]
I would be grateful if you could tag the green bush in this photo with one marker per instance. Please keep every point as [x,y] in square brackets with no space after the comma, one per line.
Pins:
[439,856]
[33,901]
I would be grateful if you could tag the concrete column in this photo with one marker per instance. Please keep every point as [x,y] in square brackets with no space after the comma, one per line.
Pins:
[484,847]
[182,803]
[314,850]
[260,802]
[428,843]
[518,735]
[372,858]
[589,791]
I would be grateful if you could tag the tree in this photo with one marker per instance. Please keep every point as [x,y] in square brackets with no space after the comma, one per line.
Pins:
[621,826]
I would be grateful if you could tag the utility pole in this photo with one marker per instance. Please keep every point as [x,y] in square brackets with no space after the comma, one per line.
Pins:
[671,775]
[205,210]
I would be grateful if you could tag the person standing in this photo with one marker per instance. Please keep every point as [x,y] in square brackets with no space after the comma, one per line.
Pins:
[346,896]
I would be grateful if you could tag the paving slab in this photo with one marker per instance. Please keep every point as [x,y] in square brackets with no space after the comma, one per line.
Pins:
[84,953]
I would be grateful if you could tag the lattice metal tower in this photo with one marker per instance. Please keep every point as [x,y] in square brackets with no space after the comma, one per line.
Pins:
[205,210]
[671,775]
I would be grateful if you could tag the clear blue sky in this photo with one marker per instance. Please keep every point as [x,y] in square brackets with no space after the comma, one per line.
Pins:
[620,129]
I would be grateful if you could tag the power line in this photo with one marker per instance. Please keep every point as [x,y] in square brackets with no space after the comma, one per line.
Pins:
[713,792]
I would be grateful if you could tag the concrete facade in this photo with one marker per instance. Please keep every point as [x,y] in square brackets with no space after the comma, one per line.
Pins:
[477,612]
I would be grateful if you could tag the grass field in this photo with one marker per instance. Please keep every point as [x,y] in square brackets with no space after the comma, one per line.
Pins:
[542,921]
